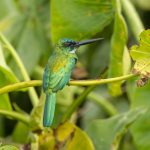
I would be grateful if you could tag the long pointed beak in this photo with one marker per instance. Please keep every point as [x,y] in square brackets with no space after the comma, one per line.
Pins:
[88,41]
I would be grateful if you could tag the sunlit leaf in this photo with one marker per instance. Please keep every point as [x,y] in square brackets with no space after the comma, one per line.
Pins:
[69,137]
[126,62]
[5,71]
[79,19]
[23,136]
[8,147]
[46,140]
[118,43]
[141,56]
[73,137]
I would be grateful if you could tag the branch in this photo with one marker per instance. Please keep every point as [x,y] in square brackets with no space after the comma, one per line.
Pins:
[100,81]
[19,86]
[31,83]
[133,18]
[15,115]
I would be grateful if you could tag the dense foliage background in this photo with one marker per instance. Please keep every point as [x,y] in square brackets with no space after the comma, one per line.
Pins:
[102,117]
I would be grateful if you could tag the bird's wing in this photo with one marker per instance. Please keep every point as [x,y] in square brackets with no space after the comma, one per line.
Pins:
[57,75]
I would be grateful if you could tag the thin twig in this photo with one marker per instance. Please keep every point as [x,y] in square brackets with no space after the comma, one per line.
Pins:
[32,83]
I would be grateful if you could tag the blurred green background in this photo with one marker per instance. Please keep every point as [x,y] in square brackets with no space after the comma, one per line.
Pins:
[34,26]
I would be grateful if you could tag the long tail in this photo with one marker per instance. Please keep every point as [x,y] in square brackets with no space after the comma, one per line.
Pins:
[49,109]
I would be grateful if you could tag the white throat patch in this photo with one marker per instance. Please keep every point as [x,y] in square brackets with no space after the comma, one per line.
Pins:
[73,51]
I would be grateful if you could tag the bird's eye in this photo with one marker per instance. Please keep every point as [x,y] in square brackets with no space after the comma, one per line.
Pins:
[67,44]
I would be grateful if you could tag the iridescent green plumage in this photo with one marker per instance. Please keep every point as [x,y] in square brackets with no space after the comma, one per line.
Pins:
[57,73]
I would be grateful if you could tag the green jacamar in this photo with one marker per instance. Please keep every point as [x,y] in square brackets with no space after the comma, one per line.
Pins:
[57,73]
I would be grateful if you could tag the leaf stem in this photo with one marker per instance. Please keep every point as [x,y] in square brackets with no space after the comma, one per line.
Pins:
[19,86]
[106,105]
[77,103]
[31,83]
[100,81]
[32,92]
[133,18]
[15,115]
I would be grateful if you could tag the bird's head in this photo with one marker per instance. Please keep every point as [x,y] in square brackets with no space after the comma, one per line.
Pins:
[71,46]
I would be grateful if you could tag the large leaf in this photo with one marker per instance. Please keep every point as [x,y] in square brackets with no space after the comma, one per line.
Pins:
[141,128]
[78,19]
[118,43]
[32,44]
[7,14]
[140,96]
[106,134]
[141,56]
[27,33]
[67,136]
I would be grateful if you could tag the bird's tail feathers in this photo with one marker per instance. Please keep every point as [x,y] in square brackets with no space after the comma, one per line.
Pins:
[49,109]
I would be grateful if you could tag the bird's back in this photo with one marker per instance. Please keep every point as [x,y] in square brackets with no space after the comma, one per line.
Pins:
[58,71]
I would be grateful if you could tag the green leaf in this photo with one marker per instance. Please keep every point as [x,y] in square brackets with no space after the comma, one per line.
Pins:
[64,97]
[139,97]
[6,76]
[126,62]
[64,100]
[73,135]
[79,19]
[7,7]
[4,104]
[69,137]
[21,137]
[106,134]
[5,72]
[118,43]
[8,147]
[141,56]
[46,140]
[142,4]
[7,14]
[31,45]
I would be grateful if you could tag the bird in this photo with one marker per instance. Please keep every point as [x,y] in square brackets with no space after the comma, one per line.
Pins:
[57,73]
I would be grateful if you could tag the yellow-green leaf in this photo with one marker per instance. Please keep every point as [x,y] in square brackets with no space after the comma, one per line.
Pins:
[8,147]
[73,136]
[65,137]
[118,43]
[79,19]
[141,55]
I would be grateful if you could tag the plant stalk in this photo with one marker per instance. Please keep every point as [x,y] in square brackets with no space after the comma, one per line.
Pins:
[133,18]
[15,115]
[32,83]
[32,92]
